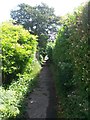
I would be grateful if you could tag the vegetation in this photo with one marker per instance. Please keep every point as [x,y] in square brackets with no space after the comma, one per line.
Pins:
[18,48]
[70,61]
[49,49]
[19,67]
[12,99]
[68,55]
[39,20]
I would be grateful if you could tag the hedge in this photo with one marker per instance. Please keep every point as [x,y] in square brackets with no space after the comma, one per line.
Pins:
[18,47]
[70,59]
[19,67]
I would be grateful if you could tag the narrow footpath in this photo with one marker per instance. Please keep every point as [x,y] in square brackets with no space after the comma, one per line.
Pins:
[42,101]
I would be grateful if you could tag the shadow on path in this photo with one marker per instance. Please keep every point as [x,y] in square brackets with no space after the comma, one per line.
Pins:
[42,101]
[51,109]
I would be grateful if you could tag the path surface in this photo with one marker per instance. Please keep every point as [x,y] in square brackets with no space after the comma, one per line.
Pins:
[42,101]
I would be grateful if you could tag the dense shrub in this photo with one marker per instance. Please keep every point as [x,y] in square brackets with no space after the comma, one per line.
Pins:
[70,61]
[18,47]
[49,48]
[19,66]
[11,99]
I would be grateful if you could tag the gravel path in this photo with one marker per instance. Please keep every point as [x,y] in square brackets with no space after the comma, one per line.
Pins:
[42,101]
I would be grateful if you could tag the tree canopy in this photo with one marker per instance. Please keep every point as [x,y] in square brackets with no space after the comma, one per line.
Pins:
[39,20]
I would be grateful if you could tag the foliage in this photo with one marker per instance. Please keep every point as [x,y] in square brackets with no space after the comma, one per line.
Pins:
[11,99]
[49,49]
[39,20]
[70,60]
[20,64]
[18,47]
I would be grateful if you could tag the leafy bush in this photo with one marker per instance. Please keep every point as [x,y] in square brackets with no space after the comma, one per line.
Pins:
[70,61]
[49,48]
[11,99]
[8,105]
[19,66]
[41,55]
[18,47]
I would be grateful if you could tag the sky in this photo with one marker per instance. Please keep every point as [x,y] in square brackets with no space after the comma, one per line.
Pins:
[61,7]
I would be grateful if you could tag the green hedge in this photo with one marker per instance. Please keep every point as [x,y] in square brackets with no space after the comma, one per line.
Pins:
[71,64]
[49,49]
[19,66]
[18,47]
[12,99]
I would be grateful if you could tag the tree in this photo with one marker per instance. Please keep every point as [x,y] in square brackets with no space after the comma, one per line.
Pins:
[39,20]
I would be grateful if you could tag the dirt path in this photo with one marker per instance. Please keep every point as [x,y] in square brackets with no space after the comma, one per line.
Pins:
[42,101]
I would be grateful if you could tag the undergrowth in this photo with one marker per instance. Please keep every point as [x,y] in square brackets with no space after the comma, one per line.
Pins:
[11,99]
